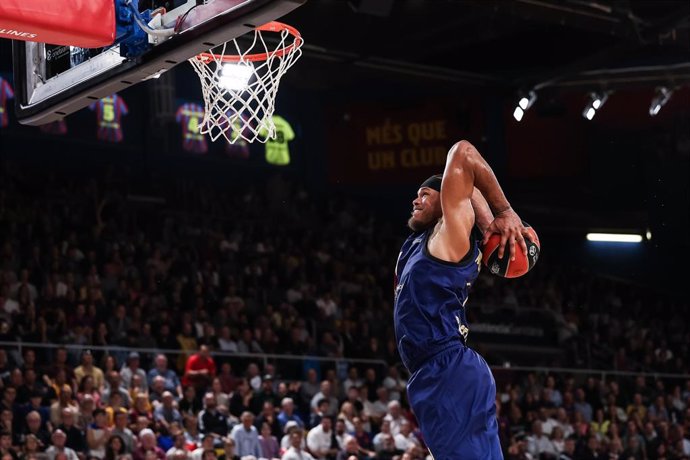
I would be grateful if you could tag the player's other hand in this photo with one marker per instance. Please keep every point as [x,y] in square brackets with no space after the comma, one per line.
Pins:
[509,225]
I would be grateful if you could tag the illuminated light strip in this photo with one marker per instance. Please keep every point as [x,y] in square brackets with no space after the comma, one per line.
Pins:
[614,237]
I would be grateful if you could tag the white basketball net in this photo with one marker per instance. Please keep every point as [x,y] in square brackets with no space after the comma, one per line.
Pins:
[240,89]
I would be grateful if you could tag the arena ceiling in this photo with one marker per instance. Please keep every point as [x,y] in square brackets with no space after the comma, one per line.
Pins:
[489,42]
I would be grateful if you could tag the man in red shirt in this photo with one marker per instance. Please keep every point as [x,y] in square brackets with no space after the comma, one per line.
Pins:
[199,370]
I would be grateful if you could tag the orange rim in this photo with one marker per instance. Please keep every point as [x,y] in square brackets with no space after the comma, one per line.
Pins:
[272,26]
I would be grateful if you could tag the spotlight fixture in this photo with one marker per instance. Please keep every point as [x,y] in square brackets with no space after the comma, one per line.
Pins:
[524,104]
[660,99]
[596,101]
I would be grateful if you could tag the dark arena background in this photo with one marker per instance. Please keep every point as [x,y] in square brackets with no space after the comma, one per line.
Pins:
[129,253]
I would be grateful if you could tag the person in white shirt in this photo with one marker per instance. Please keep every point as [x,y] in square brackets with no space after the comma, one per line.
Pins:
[547,423]
[564,422]
[320,439]
[394,383]
[59,438]
[538,443]
[325,393]
[377,410]
[296,450]
[394,416]
[405,439]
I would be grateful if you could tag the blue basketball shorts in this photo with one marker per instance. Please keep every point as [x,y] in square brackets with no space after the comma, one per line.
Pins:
[453,396]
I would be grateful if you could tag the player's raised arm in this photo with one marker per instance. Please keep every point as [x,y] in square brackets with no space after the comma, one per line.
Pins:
[465,164]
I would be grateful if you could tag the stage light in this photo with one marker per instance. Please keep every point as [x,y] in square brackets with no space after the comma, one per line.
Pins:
[524,104]
[518,113]
[614,237]
[660,99]
[596,102]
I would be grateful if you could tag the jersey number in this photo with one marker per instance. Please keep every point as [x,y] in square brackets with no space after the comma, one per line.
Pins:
[108,112]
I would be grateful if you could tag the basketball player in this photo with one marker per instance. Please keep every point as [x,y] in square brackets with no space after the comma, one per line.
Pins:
[451,389]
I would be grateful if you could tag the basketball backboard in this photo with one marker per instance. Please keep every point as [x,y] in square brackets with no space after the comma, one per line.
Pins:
[53,81]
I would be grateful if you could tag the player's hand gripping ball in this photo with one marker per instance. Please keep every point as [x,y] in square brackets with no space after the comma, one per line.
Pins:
[505,267]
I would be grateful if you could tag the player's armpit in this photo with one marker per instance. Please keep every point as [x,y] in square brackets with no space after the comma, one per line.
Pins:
[482,212]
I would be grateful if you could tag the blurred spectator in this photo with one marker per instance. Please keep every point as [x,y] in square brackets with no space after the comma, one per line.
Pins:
[269,444]
[32,447]
[200,369]
[538,444]
[228,380]
[132,369]
[254,376]
[211,420]
[287,413]
[166,413]
[320,440]
[322,410]
[64,401]
[147,446]
[363,437]
[222,398]
[97,435]
[353,449]
[395,384]
[172,382]
[6,446]
[207,442]
[115,386]
[34,427]
[310,387]
[265,394]
[115,448]
[59,439]
[87,368]
[242,398]
[268,417]
[189,404]
[394,417]
[75,437]
[340,434]
[178,448]
[35,405]
[296,451]
[87,386]
[405,439]
[325,393]
[122,430]
[384,441]
[246,437]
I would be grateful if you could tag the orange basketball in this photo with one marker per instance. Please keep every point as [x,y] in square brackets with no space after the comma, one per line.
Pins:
[505,267]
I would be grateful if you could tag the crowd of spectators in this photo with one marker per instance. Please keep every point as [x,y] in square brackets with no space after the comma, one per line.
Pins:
[192,268]
[193,263]
[108,410]
[547,417]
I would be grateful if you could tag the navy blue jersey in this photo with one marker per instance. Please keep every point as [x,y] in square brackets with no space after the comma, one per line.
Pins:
[430,297]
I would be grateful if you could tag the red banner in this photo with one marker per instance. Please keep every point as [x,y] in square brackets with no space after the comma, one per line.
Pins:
[401,144]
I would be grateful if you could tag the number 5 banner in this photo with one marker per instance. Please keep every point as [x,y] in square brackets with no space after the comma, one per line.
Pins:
[109,112]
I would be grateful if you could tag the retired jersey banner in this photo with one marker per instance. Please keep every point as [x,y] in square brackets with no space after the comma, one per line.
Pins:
[376,144]
[109,113]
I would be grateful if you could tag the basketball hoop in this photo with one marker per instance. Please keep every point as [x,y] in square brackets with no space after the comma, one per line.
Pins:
[240,87]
